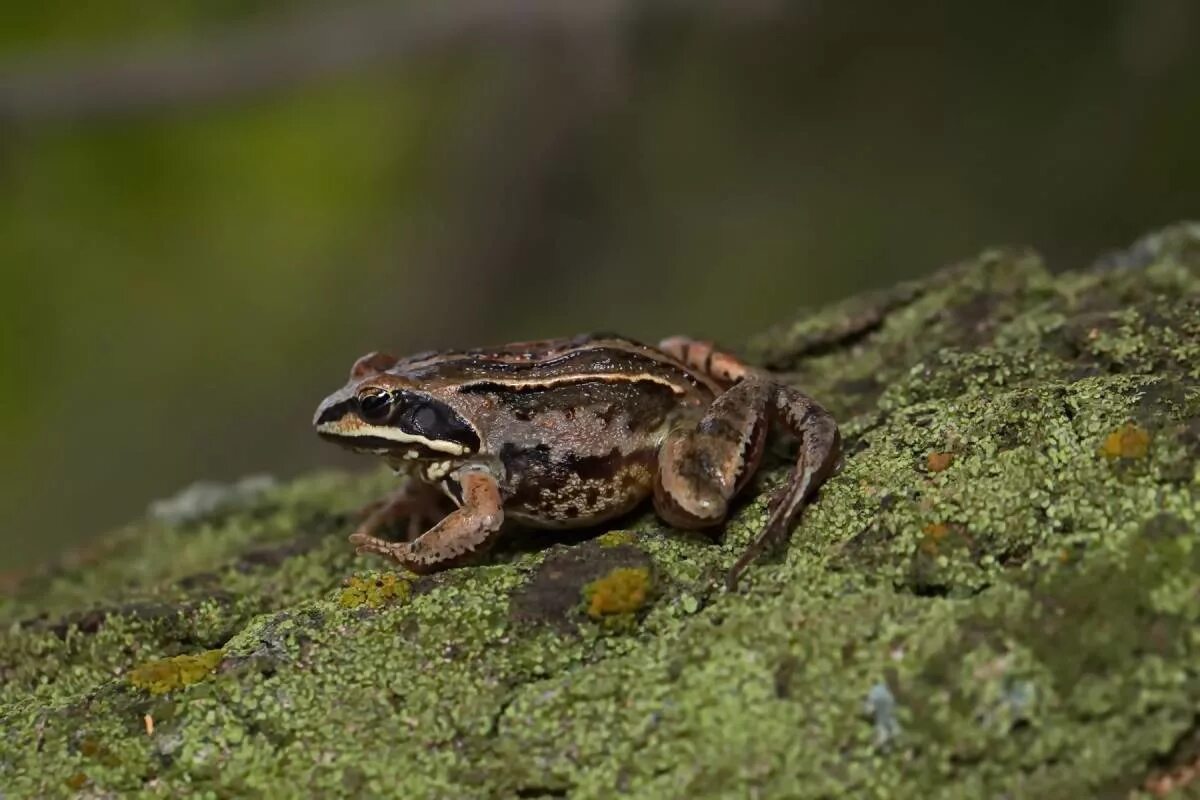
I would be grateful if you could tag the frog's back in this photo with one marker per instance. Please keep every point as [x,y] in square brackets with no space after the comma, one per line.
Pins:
[550,363]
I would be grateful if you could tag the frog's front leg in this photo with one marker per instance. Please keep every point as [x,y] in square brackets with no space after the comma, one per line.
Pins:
[701,469]
[463,532]
[418,502]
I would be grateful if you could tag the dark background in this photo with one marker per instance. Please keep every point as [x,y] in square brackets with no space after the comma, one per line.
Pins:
[210,208]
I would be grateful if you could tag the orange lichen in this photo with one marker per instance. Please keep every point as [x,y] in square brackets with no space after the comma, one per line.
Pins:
[623,591]
[939,462]
[166,674]
[374,592]
[1166,783]
[1128,441]
[934,532]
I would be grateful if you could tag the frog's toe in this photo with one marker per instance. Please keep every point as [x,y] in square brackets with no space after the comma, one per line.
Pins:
[775,499]
[365,543]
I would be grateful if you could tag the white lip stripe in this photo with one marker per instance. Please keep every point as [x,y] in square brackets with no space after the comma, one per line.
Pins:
[394,435]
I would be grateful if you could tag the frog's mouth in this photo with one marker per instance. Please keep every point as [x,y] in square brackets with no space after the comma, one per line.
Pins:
[396,444]
[375,445]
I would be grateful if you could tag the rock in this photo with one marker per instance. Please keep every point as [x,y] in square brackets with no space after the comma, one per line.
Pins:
[1004,571]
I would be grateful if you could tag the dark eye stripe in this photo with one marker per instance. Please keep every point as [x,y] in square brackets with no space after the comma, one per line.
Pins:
[424,416]
[336,411]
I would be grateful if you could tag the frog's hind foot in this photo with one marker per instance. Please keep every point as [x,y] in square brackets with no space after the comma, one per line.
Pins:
[820,455]
[702,468]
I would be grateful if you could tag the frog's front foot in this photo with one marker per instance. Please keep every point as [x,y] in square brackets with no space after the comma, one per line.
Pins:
[418,503]
[462,534]
[366,543]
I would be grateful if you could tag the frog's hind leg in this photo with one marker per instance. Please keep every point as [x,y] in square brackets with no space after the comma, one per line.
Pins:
[703,463]
[700,470]
[461,534]
[705,357]
[820,448]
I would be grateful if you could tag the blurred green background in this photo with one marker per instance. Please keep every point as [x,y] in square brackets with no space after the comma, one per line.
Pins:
[209,208]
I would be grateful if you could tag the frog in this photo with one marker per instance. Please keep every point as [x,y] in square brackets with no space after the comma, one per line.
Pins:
[570,432]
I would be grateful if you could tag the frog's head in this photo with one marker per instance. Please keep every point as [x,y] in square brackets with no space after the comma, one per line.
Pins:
[387,414]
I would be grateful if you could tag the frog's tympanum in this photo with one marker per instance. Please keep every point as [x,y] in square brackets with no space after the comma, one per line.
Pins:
[566,433]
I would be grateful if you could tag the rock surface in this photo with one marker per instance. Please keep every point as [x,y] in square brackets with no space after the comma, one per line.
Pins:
[996,596]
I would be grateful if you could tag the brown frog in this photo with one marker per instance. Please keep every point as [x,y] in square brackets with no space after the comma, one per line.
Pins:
[571,432]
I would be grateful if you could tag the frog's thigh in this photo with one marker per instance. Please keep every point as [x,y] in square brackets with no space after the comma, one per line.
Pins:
[462,533]
[702,466]
[705,357]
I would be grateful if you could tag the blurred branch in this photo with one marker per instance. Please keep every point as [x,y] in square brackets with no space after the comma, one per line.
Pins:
[283,53]
[515,158]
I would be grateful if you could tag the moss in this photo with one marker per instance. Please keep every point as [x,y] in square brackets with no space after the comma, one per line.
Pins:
[1020,623]
[622,592]
[167,674]
[374,592]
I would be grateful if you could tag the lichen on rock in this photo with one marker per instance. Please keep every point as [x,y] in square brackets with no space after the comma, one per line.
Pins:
[167,674]
[995,596]
[1128,441]
[620,594]
[373,592]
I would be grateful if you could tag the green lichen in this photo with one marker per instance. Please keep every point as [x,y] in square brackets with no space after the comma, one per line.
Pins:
[1017,620]
[615,538]
[375,591]
[168,674]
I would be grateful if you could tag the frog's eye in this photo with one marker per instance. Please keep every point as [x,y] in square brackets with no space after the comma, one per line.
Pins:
[374,405]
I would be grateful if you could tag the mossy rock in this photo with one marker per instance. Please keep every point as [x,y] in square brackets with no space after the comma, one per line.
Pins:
[995,596]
